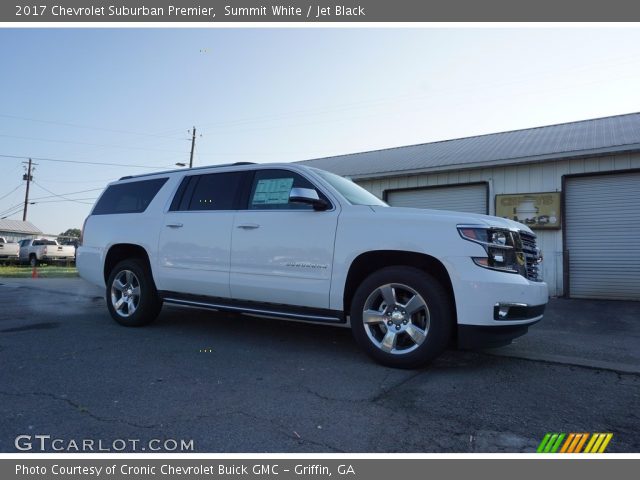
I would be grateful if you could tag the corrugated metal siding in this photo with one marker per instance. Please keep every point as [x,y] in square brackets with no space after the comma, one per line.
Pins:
[460,198]
[530,178]
[603,228]
[18,226]
[543,143]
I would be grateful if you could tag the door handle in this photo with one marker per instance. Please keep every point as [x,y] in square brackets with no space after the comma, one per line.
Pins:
[173,225]
[248,226]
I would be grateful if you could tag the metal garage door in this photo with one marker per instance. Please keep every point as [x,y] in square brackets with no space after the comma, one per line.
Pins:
[602,234]
[460,198]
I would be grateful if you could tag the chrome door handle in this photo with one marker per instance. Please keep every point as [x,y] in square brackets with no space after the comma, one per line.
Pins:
[248,226]
[173,225]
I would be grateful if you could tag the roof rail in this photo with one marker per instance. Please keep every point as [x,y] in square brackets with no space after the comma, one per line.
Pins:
[181,170]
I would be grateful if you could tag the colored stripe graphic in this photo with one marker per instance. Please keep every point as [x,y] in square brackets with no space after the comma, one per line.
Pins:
[607,439]
[598,442]
[582,442]
[543,443]
[574,442]
[551,442]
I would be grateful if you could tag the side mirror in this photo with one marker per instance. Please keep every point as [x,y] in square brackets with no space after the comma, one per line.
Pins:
[307,196]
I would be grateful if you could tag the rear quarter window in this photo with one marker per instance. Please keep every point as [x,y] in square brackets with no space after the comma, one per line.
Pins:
[131,197]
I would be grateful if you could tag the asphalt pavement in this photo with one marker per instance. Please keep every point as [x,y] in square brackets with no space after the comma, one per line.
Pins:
[232,383]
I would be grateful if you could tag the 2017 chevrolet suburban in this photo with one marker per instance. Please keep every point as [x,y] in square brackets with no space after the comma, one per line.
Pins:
[293,242]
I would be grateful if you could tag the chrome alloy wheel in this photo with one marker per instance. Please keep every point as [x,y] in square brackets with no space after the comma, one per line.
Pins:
[125,293]
[396,318]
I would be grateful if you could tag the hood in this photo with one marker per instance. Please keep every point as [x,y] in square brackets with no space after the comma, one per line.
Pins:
[457,218]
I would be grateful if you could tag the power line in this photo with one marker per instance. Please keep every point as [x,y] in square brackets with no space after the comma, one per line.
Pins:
[90,144]
[13,207]
[77,200]
[10,214]
[18,207]
[58,195]
[6,195]
[127,132]
[82,162]
[63,194]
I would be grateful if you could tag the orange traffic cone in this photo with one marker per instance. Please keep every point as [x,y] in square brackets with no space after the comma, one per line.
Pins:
[34,273]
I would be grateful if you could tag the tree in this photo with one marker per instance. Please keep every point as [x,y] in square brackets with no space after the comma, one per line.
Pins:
[69,232]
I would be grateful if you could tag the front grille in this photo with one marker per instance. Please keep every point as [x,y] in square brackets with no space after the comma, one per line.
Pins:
[531,255]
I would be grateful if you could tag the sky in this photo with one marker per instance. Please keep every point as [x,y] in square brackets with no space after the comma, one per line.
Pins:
[128,97]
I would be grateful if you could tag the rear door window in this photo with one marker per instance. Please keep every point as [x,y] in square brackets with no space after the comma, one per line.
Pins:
[130,197]
[213,191]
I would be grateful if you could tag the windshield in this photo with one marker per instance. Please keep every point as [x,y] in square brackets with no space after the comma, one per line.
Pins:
[355,194]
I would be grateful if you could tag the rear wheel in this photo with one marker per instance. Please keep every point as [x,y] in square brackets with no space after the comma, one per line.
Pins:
[401,317]
[33,260]
[132,298]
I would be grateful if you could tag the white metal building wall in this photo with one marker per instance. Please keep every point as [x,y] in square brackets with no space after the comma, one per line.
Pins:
[460,198]
[602,231]
[534,177]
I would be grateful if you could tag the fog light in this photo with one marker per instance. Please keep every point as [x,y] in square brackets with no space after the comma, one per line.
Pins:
[503,312]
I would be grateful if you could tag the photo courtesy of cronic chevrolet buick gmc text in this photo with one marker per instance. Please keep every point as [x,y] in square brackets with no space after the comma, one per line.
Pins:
[293,242]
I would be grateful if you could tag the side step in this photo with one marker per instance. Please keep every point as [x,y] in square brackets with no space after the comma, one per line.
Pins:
[287,312]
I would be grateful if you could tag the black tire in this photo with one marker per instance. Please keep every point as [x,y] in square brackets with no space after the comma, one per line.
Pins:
[148,304]
[436,319]
[33,260]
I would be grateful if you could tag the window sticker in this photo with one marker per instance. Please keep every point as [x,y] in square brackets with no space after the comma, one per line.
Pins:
[272,191]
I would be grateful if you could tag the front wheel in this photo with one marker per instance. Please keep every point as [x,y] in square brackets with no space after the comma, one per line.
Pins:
[401,316]
[132,298]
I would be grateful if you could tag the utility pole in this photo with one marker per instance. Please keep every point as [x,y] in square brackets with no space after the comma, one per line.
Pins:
[193,146]
[27,176]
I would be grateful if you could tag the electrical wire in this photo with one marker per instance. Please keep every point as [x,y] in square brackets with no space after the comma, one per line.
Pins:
[62,194]
[12,207]
[10,212]
[58,195]
[6,195]
[80,162]
[77,200]
[72,125]
[102,145]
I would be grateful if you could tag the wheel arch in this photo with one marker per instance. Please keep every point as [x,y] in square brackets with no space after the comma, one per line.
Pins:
[368,262]
[123,251]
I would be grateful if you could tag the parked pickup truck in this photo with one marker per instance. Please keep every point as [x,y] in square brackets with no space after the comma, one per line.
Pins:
[9,252]
[35,251]
[298,243]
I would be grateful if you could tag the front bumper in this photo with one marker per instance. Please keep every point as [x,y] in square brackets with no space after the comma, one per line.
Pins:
[493,307]
[471,337]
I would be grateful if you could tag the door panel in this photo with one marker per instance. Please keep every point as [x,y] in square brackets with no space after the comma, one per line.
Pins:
[194,257]
[284,257]
[195,242]
[282,252]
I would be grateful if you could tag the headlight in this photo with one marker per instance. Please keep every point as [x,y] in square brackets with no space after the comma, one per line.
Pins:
[503,247]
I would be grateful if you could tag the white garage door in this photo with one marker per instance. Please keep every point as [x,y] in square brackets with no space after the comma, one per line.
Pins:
[460,198]
[602,234]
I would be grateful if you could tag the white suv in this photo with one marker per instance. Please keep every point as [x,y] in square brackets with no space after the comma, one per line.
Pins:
[298,243]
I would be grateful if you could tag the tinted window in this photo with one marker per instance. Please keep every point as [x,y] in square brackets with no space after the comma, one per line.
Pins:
[39,243]
[271,188]
[215,191]
[131,197]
